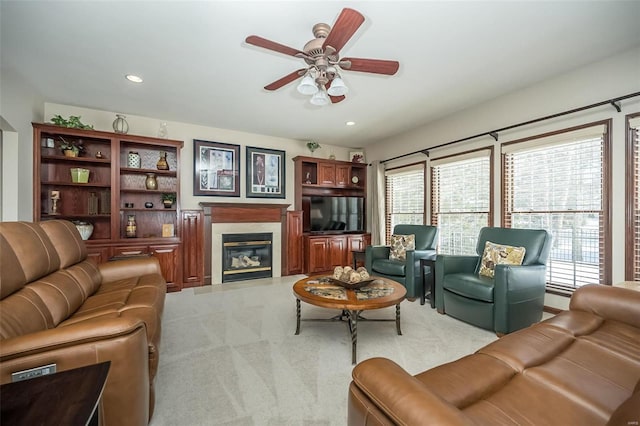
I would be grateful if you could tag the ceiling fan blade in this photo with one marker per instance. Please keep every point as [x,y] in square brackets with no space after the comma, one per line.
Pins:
[376,66]
[272,45]
[346,25]
[286,79]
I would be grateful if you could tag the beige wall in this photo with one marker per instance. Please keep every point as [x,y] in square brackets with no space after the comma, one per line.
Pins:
[616,76]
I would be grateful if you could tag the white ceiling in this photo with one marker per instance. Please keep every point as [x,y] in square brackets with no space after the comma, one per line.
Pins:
[198,69]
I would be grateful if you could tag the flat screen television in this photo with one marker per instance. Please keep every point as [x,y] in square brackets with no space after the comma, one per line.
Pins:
[333,214]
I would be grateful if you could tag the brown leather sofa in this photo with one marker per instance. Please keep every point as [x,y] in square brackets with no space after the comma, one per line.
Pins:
[57,307]
[581,367]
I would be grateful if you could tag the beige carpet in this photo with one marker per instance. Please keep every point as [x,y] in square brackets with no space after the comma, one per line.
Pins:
[229,355]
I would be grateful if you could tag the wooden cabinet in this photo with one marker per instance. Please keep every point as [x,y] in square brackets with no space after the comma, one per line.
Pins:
[192,248]
[324,253]
[125,179]
[313,175]
[319,178]
[168,256]
[293,262]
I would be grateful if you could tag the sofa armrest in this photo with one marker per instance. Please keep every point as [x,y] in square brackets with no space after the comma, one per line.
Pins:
[402,397]
[423,254]
[615,303]
[127,268]
[375,252]
[451,264]
[68,336]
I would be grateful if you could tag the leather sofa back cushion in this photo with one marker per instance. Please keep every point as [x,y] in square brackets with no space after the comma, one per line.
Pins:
[66,240]
[26,254]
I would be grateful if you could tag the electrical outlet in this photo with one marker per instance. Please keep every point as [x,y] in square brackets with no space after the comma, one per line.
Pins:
[18,376]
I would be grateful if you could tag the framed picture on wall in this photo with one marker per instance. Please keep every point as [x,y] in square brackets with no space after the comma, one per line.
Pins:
[265,173]
[216,169]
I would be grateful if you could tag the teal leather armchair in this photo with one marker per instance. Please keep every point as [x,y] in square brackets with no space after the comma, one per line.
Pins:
[408,272]
[513,299]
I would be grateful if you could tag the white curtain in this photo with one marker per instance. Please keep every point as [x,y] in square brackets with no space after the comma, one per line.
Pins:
[377,204]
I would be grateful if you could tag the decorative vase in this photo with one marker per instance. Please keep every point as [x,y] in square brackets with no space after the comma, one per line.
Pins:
[120,125]
[167,204]
[131,228]
[148,205]
[70,153]
[85,229]
[133,160]
[151,182]
[162,131]
[162,162]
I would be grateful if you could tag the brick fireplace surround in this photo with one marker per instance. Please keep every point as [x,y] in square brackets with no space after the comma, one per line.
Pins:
[226,218]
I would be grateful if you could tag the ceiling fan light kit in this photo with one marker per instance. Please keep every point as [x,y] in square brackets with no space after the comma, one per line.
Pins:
[321,79]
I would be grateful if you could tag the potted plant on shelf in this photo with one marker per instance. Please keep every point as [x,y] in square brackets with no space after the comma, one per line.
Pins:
[71,149]
[168,198]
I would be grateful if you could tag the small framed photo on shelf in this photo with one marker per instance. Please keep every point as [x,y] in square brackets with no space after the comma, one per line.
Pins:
[265,173]
[356,156]
[216,169]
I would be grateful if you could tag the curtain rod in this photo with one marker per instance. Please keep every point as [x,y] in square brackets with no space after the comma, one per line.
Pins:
[494,133]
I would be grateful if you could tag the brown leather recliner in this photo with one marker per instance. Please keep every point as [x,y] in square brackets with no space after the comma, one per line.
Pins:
[56,307]
[580,367]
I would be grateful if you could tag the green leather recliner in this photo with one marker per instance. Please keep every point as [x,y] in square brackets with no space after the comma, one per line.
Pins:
[513,299]
[406,273]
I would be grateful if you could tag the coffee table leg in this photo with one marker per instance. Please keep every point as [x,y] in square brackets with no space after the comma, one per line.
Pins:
[353,327]
[297,316]
[398,319]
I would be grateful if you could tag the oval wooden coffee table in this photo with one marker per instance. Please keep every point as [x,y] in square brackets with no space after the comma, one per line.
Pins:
[381,293]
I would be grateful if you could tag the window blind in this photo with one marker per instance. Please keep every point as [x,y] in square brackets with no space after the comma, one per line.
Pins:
[633,244]
[460,201]
[560,187]
[404,200]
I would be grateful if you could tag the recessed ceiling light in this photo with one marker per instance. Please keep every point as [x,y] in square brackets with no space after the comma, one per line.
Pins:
[133,78]
[350,123]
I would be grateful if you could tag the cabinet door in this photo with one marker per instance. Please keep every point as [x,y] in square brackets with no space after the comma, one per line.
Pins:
[98,255]
[326,174]
[192,248]
[169,257]
[343,175]
[337,247]
[293,241]
[317,250]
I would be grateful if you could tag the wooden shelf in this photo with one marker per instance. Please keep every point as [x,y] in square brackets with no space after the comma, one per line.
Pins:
[108,188]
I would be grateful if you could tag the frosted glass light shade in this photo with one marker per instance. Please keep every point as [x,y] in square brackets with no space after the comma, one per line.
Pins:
[338,88]
[320,98]
[307,86]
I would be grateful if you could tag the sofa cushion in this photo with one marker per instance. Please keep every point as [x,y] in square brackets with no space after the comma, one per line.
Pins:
[499,254]
[66,240]
[399,246]
[26,254]
[470,285]
[388,267]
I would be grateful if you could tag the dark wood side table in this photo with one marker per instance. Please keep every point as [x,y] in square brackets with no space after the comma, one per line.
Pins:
[69,397]
[428,281]
[357,255]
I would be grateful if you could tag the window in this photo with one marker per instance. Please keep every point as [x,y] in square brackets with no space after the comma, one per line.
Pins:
[632,272]
[461,199]
[404,202]
[559,182]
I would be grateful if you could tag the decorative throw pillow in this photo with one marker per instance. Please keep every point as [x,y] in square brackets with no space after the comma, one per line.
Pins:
[497,254]
[399,246]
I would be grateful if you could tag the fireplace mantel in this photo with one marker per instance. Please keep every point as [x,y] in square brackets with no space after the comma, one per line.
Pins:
[244,212]
[239,213]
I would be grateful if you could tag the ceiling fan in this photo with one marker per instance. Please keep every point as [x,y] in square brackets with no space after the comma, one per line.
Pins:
[322,77]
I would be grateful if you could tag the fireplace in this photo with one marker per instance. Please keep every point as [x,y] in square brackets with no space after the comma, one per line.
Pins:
[246,256]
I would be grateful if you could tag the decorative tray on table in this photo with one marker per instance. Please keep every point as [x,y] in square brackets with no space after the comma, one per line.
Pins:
[346,284]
